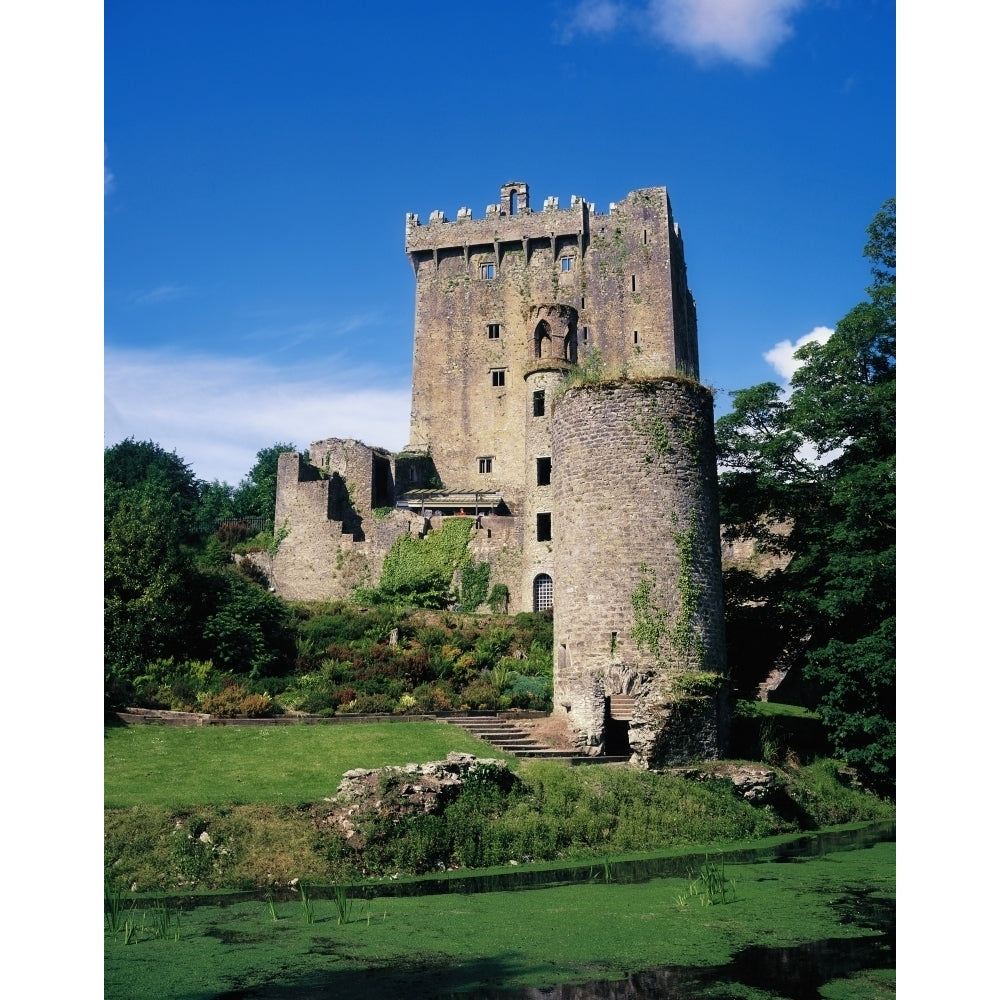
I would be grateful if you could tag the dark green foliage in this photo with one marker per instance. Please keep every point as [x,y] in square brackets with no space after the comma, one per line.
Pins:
[822,461]
[148,577]
[418,571]
[475,585]
[249,630]
[132,464]
[499,598]
[256,493]
[162,598]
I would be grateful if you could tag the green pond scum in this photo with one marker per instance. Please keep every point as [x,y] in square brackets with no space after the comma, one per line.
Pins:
[437,945]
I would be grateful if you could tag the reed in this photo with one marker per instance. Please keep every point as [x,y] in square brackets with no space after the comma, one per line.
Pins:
[343,902]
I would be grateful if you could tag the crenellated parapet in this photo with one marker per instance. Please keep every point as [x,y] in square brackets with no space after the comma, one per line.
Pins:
[511,220]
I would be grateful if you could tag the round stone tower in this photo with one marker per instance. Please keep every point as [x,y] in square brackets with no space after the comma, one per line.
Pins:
[637,578]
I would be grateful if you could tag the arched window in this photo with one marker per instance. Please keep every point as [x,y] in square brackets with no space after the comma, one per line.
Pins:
[542,597]
[569,347]
[543,340]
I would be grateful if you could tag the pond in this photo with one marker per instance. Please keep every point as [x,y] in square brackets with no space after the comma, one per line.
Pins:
[811,918]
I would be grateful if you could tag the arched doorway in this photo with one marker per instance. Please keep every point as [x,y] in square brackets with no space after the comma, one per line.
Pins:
[542,593]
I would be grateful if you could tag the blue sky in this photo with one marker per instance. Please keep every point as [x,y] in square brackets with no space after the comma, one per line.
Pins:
[260,159]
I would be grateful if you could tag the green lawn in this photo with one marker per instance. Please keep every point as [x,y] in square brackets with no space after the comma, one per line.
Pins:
[191,766]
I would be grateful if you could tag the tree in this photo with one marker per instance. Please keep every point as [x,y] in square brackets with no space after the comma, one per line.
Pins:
[811,478]
[148,576]
[255,495]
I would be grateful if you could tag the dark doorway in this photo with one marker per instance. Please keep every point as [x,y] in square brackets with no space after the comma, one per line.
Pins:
[616,728]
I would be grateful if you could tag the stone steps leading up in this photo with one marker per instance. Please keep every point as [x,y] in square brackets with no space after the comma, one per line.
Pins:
[506,736]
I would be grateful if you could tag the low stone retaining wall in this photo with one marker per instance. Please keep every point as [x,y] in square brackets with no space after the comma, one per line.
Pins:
[161,717]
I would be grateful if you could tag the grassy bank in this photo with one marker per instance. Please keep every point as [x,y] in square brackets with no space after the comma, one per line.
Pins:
[230,808]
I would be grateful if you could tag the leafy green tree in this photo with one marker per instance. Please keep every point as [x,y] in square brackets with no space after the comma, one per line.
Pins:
[148,576]
[811,478]
[216,501]
[247,630]
[255,495]
[131,463]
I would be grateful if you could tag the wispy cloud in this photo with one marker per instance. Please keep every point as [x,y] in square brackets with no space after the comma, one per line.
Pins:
[747,32]
[162,293]
[109,178]
[218,412]
[782,358]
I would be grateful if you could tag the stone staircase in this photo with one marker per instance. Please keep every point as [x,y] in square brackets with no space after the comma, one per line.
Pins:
[506,736]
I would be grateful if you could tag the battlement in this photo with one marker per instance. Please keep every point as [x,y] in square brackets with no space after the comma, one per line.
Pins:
[509,220]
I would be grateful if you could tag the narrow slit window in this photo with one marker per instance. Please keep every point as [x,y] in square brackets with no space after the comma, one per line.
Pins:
[543,527]
[485,465]
[543,470]
[538,403]
[499,376]
[487,271]
[635,336]
[633,282]
[493,331]
[644,236]
[586,334]
[583,302]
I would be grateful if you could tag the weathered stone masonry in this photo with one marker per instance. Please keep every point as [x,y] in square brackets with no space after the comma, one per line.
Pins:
[638,582]
[599,503]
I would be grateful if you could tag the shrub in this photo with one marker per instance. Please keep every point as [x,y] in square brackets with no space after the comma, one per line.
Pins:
[235,701]
[480,695]
[370,704]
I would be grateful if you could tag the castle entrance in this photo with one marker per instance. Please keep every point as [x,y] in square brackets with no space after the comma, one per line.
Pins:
[617,716]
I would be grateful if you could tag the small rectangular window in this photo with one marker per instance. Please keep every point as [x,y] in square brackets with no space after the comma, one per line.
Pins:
[566,263]
[543,468]
[487,271]
[485,465]
[644,236]
[538,403]
[635,336]
[543,527]
[493,331]
[499,376]
[633,282]
[586,334]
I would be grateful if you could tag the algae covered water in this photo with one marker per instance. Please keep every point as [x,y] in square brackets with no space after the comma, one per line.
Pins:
[814,913]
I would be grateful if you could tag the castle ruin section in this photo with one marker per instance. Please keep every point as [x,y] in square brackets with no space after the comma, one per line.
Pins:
[638,607]
[330,539]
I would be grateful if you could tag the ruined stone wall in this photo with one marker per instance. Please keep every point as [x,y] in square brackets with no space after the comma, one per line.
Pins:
[330,539]
[638,583]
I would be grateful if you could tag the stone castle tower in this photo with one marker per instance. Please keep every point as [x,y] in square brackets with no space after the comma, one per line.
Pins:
[597,501]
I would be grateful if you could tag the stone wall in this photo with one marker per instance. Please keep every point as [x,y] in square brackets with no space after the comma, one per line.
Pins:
[331,540]
[638,583]
[563,283]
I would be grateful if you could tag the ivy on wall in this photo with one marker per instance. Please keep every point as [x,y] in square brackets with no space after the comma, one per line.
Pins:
[419,571]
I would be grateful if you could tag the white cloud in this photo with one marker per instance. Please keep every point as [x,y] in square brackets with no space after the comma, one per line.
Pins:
[163,293]
[597,17]
[782,358]
[747,32]
[109,178]
[218,412]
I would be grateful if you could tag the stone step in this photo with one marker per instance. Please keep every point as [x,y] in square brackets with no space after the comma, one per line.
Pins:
[507,737]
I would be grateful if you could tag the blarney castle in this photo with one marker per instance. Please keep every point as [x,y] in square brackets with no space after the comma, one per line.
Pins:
[556,403]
